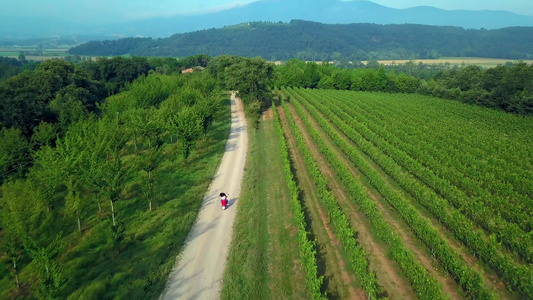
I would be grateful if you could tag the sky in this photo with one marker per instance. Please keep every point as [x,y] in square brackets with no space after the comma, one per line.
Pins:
[102,11]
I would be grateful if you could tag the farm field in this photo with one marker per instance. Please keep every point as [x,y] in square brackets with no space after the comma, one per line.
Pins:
[479,61]
[420,197]
[13,52]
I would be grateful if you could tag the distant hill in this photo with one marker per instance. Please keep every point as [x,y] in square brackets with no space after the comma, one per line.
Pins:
[317,41]
[330,12]
[323,11]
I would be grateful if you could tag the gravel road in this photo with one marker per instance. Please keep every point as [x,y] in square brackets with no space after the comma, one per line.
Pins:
[199,268]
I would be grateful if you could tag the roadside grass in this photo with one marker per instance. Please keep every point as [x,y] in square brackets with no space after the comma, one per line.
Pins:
[94,267]
[285,266]
[246,271]
[264,261]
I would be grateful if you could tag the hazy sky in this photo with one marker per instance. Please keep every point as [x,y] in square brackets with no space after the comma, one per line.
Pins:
[119,10]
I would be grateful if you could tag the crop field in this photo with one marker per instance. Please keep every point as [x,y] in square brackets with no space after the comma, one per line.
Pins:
[457,61]
[409,196]
[52,53]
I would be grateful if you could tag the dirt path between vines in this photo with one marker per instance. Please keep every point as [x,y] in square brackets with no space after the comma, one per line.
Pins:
[396,286]
[337,280]
[199,268]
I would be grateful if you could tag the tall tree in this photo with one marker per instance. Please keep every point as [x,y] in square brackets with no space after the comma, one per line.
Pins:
[188,128]
[47,174]
[252,78]
[14,153]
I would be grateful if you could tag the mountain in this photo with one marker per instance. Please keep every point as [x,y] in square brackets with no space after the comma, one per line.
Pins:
[316,41]
[324,11]
[329,12]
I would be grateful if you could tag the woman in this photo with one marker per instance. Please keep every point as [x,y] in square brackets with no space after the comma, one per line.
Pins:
[223,200]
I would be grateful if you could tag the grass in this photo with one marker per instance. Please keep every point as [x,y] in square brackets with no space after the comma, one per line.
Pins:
[246,270]
[138,268]
[264,261]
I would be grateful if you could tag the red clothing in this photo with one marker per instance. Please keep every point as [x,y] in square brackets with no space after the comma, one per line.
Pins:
[224,201]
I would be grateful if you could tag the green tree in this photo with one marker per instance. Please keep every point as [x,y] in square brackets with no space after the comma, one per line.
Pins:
[326,82]
[44,135]
[68,107]
[47,174]
[406,84]
[218,67]
[14,153]
[111,170]
[22,57]
[188,128]
[207,108]
[21,212]
[12,246]
[149,164]
[251,78]
[341,79]
[73,200]
[75,152]
[291,74]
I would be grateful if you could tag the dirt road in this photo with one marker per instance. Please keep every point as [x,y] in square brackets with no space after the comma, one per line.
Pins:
[199,269]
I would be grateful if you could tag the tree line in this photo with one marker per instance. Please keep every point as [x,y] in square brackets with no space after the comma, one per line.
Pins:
[11,66]
[316,42]
[506,87]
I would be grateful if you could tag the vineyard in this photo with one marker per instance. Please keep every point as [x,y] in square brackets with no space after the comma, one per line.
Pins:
[425,198]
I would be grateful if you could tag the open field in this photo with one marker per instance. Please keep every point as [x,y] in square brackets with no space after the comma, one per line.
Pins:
[52,53]
[482,62]
[433,189]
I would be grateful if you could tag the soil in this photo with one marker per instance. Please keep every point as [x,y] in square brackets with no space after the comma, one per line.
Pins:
[328,247]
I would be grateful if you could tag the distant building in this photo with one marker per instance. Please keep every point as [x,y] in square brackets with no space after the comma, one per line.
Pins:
[192,70]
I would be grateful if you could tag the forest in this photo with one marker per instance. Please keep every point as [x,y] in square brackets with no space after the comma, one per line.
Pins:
[313,41]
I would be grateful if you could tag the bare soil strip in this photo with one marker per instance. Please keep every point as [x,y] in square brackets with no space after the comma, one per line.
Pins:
[337,280]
